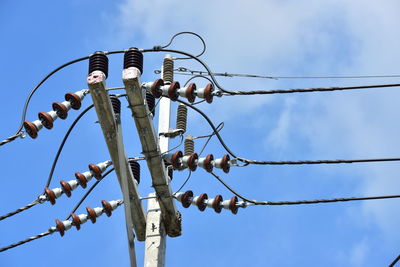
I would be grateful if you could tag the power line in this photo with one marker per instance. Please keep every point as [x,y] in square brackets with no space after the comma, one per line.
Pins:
[186,71]
[30,205]
[258,92]
[271,162]
[49,232]
[395,261]
[300,202]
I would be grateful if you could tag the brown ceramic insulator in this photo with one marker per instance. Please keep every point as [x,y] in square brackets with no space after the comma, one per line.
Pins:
[208,93]
[81,179]
[190,92]
[175,159]
[186,198]
[225,163]
[155,88]
[76,221]
[60,227]
[96,171]
[232,205]
[192,161]
[217,203]
[46,120]
[61,110]
[92,214]
[74,99]
[107,207]
[30,129]
[200,202]
[66,188]
[50,195]
[208,163]
[135,168]
[173,91]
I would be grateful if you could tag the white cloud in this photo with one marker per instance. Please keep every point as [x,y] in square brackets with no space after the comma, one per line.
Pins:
[281,37]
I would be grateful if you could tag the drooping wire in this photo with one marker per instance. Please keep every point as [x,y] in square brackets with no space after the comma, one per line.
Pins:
[190,33]
[271,162]
[60,148]
[300,202]
[87,194]
[258,92]
[186,71]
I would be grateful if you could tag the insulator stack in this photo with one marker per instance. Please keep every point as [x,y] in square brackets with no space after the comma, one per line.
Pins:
[191,161]
[135,167]
[92,215]
[81,179]
[60,110]
[173,90]
[189,145]
[202,202]
[151,103]
[98,62]
[181,118]
[116,105]
[133,58]
[168,70]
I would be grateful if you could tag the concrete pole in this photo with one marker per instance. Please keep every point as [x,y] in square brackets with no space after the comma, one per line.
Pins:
[155,230]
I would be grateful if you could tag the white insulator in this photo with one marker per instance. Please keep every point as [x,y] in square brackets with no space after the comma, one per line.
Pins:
[57,192]
[179,196]
[81,94]
[67,104]
[53,114]
[185,160]
[200,162]
[98,211]
[38,124]
[194,200]
[182,91]
[67,224]
[225,204]
[147,86]
[210,202]
[114,204]
[83,218]
[88,175]
[200,92]
[103,165]
[73,184]
[217,163]
[164,90]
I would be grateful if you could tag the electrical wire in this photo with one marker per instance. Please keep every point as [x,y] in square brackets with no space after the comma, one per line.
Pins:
[395,261]
[50,231]
[271,162]
[60,148]
[30,205]
[190,33]
[87,193]
[300,202]
[186,71]
[262,92]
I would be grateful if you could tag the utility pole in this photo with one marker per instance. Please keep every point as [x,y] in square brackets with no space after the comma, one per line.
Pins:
[111,126]
[155,232]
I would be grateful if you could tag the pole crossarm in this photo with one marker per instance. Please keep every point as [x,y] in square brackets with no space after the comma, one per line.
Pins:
[151,150]
[111,126]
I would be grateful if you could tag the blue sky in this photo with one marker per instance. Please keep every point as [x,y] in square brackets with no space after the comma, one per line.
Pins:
[263,37]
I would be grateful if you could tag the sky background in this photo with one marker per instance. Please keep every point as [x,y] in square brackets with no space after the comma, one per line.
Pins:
[332,37]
